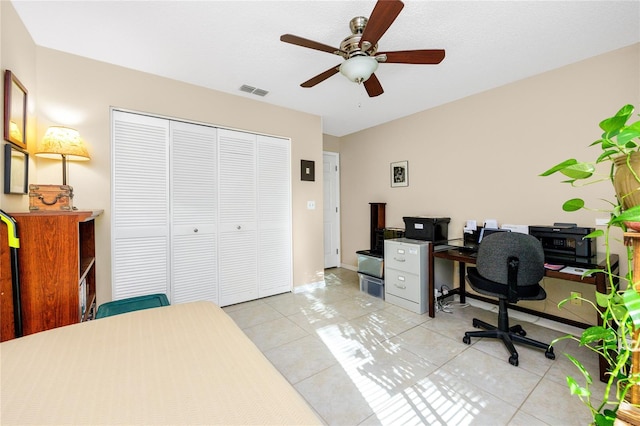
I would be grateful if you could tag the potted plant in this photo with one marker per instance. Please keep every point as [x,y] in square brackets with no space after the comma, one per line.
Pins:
[619,309]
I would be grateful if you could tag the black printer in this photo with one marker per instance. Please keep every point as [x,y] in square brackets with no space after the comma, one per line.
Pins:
[565,243]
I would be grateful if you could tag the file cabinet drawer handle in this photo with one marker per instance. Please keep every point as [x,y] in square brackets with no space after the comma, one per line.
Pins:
[399,260]
[401,279]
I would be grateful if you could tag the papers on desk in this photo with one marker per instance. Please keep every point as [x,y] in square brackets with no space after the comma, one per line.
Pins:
[444,247]
[566,269]
[553,267]
[575,271]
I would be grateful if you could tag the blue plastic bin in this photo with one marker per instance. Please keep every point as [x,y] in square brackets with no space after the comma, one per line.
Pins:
[131,304]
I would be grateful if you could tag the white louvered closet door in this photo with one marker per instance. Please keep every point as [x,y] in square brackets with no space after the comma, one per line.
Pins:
[238,251]
[274,215]
[194,192]
[140,205]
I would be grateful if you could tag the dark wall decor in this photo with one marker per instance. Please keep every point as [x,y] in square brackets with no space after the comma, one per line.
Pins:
[16,170]
[399,174]
[307,170]
[15,110]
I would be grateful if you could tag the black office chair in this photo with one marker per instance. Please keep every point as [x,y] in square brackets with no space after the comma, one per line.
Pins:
[509,266]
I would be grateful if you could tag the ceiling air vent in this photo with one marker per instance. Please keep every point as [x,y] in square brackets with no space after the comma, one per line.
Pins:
[254,90]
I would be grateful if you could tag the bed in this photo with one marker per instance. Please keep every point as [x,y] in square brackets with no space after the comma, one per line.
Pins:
[180,364]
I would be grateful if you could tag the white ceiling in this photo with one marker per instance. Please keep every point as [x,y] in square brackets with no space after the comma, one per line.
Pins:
[224,44]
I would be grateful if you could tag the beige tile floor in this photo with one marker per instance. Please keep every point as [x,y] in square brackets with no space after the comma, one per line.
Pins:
[358,360]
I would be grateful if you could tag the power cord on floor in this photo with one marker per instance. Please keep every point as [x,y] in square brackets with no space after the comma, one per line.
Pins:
[446,306]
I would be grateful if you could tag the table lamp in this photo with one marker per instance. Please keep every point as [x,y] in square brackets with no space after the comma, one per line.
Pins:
[65,142]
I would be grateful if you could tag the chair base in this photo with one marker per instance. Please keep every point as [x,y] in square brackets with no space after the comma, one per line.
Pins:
[508,336]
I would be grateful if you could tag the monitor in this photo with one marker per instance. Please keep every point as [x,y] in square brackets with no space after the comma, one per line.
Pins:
[488,231]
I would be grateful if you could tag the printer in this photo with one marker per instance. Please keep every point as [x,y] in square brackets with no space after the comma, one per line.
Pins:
[564,243]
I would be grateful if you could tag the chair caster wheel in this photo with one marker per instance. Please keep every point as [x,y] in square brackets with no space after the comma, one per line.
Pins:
[513,360]
[549,354]
[518,330]
[467,340]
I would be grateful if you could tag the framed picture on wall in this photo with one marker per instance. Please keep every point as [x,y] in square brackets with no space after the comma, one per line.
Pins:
[399,174]
[16,170]
[15,110]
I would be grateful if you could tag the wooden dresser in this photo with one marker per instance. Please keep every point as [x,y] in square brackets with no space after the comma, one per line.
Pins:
[56,263]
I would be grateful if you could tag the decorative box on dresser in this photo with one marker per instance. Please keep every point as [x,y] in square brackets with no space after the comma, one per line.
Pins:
[406,273]
[56,264]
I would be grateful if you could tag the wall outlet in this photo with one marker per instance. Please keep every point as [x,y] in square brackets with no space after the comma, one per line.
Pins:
[574,301]
[311,205]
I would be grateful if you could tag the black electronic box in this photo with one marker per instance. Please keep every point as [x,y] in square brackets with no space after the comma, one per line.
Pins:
[435,229]
[563,243]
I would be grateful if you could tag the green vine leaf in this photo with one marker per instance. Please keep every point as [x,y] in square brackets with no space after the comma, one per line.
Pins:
[629,215]
[604,420]
[613,124]
[573,205]
[576,389]
[595,334]
[559,167]
[595,234]
[579,171]
[602,299]
[605,156]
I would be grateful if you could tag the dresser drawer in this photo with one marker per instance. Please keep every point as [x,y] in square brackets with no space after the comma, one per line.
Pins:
[404,257]
[404,285]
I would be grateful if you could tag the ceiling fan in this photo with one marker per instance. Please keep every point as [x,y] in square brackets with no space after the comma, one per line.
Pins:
[360,49]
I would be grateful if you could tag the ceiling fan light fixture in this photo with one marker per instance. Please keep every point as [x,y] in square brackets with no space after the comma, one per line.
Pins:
[359,68]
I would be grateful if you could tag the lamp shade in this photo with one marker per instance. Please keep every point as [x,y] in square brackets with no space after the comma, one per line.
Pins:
[359,68]
[62,141]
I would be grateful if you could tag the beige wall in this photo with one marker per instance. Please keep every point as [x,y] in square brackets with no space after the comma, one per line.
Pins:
[330,143]
[480,157]
[78,92]
[18,54]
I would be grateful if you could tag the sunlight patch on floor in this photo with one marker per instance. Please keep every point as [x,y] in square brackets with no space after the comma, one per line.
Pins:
[395,396]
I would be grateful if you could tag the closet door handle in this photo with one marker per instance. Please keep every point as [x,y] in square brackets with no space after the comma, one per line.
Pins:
[238,227]
[195,229]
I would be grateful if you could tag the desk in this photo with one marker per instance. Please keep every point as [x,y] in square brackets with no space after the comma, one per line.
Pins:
[463,259]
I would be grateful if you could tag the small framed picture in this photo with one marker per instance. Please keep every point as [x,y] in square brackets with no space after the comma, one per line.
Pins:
[15,110]
[307,170]
[399,174]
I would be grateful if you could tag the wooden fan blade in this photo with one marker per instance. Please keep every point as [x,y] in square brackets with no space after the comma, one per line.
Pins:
[299,41]
[373,86]
[321,77]
[433,56]
[383,15]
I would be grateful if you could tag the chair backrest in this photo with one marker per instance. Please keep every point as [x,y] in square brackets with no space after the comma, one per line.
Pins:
[497,249]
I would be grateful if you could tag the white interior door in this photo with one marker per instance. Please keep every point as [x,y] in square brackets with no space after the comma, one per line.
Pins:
[274,216]
[331,181]
[140,205]
[238,254]
[194,195]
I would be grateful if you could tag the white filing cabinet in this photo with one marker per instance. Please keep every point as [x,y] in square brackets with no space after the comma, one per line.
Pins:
[406,269]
